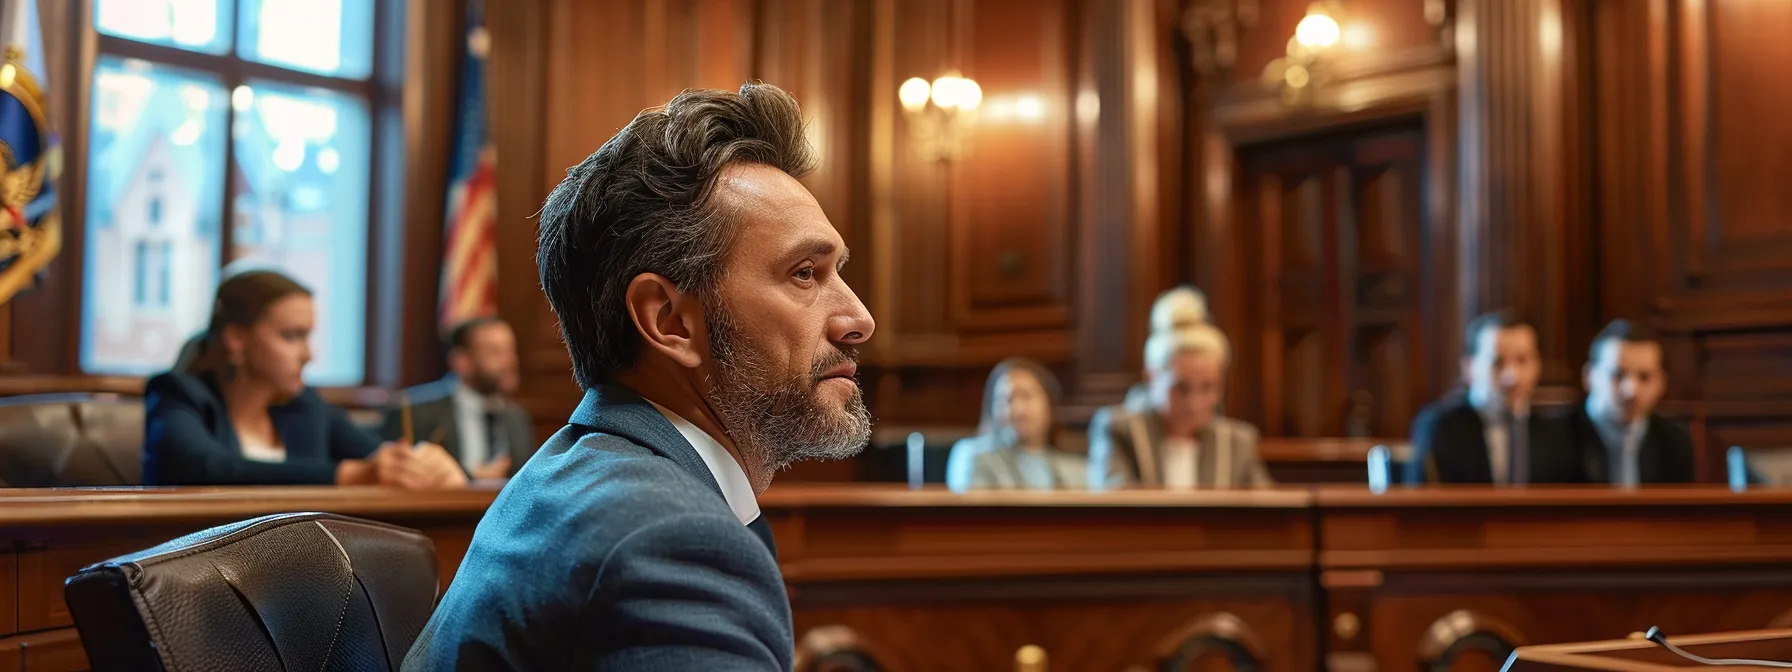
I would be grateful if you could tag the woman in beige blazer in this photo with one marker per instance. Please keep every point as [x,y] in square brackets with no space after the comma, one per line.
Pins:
[1015,446]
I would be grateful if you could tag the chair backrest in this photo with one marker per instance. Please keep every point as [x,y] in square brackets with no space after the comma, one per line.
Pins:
[294,591]
[71,440]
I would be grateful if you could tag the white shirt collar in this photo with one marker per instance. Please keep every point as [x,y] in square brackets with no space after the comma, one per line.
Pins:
[736,489]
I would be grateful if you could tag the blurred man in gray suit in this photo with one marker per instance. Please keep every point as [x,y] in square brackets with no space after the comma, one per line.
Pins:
[470,412]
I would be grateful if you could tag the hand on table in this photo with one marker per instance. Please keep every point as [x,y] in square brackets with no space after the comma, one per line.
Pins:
[425,466]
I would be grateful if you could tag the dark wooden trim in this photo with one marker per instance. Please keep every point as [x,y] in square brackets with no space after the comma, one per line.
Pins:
[235,70]
[434,49]
[1050,588]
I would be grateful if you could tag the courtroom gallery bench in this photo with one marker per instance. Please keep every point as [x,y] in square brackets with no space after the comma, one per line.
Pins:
[1289,579]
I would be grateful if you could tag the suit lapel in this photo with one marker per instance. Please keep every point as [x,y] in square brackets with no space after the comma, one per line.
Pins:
[763,530]
[1147,433]
[1648,455]
[618,411]
[1483,461]
[522,435]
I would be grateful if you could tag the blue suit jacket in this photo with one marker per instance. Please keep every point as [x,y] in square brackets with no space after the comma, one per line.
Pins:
[612,549]
[188,438]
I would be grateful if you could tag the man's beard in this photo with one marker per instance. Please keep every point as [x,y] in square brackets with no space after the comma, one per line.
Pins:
[483,382]
[775,418]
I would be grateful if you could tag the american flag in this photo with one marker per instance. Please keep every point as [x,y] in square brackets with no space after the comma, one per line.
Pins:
[469,250]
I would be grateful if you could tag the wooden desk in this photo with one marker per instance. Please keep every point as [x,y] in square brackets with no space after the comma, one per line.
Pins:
[933,581]
[928,580]
[1641,655]
[1417,576]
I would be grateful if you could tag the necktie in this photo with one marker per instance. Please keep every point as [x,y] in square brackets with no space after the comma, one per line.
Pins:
[763,530]
[494,436]
[1519,442]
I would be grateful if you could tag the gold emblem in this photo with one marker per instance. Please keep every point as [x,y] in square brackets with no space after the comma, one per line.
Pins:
[28,248]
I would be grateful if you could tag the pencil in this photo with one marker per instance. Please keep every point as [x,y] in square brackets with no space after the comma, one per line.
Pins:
[404,412]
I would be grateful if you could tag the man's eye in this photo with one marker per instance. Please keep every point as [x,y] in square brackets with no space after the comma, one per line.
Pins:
[806,274]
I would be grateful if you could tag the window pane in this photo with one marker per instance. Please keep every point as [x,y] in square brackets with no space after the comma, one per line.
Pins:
[198,25]
[301,206]
[155,166]
[328,37]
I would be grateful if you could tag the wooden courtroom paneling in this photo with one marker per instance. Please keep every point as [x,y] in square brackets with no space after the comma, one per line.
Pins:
[1411,567]
[931,580]
[1694,225]
[1324,234]
[9,592]
[56,651]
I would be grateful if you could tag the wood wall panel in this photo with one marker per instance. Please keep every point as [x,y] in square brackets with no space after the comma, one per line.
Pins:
[1325,234]
[1692,227]
[1335,328]
[1010,198]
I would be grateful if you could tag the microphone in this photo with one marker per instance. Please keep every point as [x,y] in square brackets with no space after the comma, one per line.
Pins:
[1656,635]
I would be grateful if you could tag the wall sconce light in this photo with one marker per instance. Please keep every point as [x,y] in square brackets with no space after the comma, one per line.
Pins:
[940,114]
[1304,68]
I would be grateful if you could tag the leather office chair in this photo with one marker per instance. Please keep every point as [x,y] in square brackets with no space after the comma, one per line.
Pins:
[71,440]
[294,591]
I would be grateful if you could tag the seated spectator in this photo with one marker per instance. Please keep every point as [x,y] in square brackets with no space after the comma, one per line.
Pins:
[240,414]
[1015,446]
[1177,439]
[470,412]
[1489,434]
[1617,430]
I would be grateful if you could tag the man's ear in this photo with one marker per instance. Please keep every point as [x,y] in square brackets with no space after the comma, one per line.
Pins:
[667,320]
[1586,377]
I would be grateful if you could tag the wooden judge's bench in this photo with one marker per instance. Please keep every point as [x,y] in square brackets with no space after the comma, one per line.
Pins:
[1291,579]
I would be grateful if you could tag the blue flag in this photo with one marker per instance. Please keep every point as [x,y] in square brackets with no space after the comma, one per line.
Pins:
[30,154]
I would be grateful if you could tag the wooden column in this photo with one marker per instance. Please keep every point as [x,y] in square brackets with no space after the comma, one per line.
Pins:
[1525,177]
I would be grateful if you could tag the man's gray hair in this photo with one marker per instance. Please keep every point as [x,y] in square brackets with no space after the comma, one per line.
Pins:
[642,204]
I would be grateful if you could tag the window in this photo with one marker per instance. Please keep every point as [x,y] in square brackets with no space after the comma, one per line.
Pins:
[227,133]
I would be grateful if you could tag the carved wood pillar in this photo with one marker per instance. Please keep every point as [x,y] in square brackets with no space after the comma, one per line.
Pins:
[1525,173]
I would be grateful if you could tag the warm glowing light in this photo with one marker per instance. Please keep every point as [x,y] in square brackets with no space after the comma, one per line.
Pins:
[1317,31]
[1358,37]
[969,95]
[1029,108]
[945,92]
[914,94]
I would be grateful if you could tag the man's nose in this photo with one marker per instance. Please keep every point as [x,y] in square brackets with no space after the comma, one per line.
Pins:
[853,325]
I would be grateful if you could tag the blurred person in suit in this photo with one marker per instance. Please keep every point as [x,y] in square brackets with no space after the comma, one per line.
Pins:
[1488,433]
[698,289]
[1016,443]
[1177,438]
[470,412]
[239,412]
[1177,307]
[1620,437]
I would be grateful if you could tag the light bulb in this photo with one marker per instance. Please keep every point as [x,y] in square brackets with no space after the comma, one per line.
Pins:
[914,94]
[1316,31]
[970,95]
[946,91]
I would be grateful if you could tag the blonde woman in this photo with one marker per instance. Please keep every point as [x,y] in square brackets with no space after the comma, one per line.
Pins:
[1174,435]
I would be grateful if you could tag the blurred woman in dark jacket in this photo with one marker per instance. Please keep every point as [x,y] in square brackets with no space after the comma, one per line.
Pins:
[239,412]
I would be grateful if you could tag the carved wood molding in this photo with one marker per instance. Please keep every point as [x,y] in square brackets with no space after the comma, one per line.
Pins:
[1463,630]
[836,648]
[1212,28]
[1220,631]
